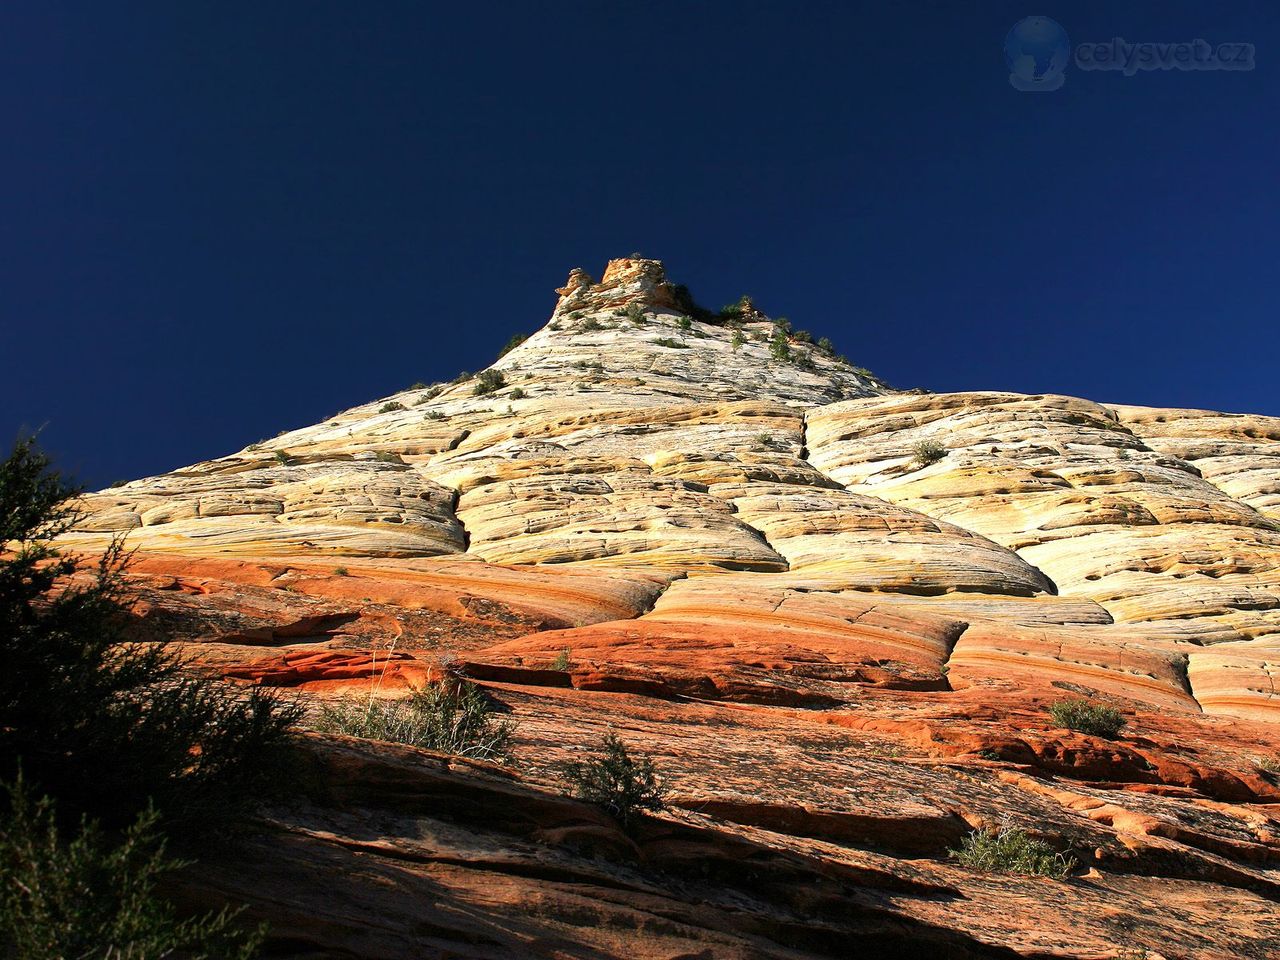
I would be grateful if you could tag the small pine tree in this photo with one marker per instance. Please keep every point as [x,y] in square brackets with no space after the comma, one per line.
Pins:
[88,896]
[103,725]
[624,786]
[779,346]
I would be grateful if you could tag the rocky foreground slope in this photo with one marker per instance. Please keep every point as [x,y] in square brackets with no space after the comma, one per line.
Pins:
[832,612]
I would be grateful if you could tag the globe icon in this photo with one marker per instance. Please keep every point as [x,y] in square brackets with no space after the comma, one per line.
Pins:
[1037,51]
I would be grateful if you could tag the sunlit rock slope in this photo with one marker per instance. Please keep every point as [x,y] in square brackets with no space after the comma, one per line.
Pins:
[834,613]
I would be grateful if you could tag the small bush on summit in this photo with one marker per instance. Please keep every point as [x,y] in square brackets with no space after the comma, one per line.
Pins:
[624,786]
[488,381]
[1095,719]
[1009,850]
[391,406]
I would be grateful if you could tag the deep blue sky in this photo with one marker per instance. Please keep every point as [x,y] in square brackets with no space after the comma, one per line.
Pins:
[221,220]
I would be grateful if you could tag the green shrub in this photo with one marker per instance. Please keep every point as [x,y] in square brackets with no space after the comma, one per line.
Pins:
[391,406]
[102,725]
[590,325]
[634,313]
[117,484]
[672,344]
[1009,850]
[488,381]
[561,662]
[511,344]
[826,346]
[779,347]
[433,415]
[927,452]
[737,339]
[416,386]
[517,394]
[341,572]
[764,441]
[452,717]
[88,896]
[1095,719]
[684,323]
[783,324]
[804,360]
[802,336]
[622,785]
[282,457]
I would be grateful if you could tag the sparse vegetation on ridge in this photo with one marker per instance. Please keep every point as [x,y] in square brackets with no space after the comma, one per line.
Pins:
[671,343]
[511,344]
[391,406]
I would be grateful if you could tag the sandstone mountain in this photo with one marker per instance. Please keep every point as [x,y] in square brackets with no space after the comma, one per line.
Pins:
[833,612]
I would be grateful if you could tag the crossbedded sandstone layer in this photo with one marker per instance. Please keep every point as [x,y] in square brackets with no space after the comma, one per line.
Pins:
[835,612]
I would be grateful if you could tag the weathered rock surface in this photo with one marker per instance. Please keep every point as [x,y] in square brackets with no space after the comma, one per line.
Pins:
[731,548]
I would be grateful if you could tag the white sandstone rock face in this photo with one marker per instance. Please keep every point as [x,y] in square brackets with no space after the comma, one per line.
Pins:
[1133,551]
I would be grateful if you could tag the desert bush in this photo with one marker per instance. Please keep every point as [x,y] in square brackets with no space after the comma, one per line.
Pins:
[282,457]
[91,896]
[624,786]
[1010,850]
[453,717]
[684,323]
[826,346]
[779,346]
[670,343]
[117,484]
[517,394]
[802,336]
[1095,719]
[589,325]
[737,339]
[561,662]
[433,415]
[927,452]
[488,381]
[341,572]
[102,725]
[634,313]
[391,406]
[417,385]
[511,344]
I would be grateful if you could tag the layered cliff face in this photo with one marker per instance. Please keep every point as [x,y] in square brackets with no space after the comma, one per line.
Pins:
[835,614]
